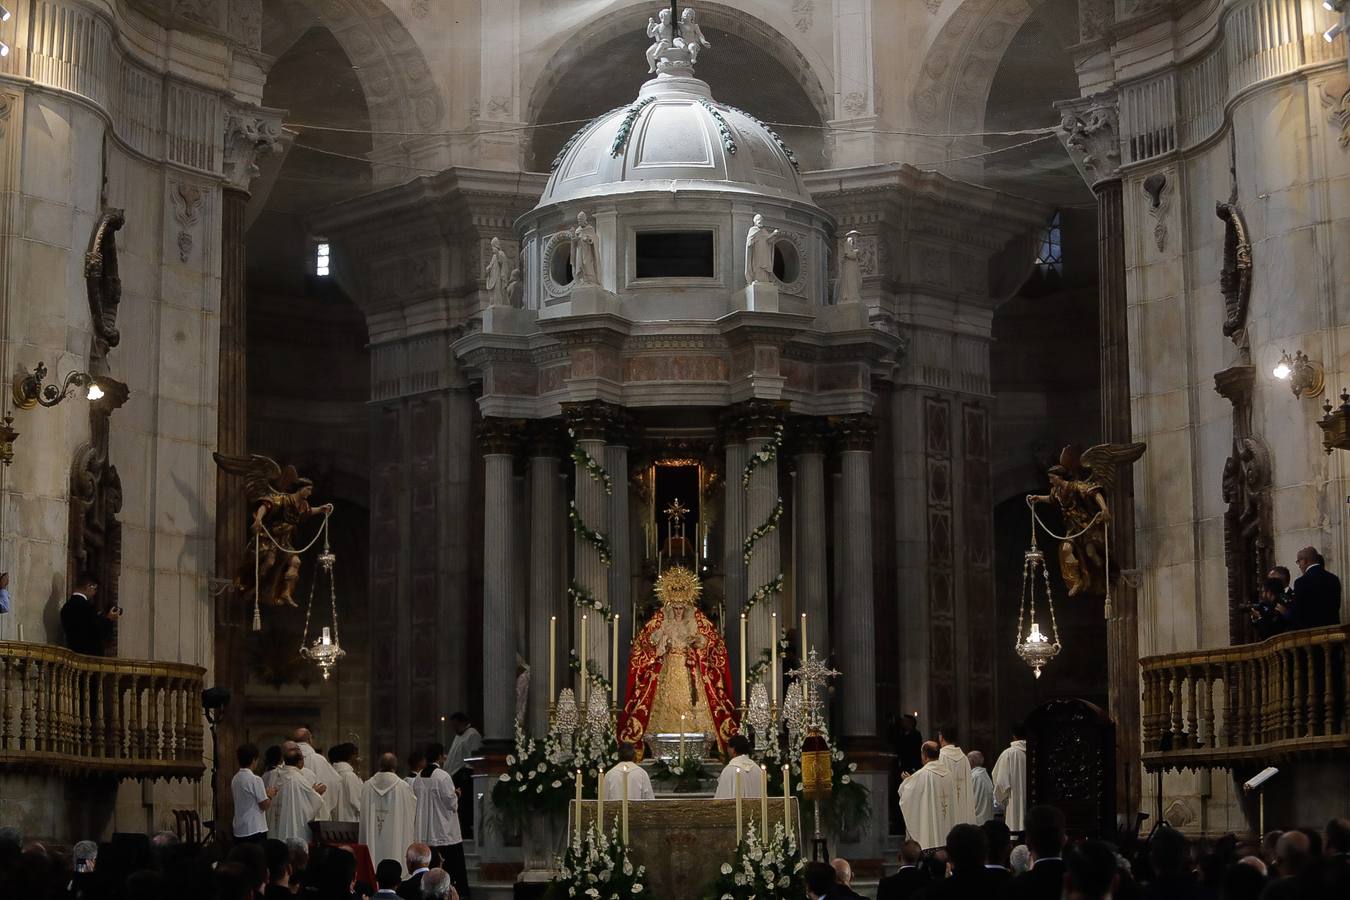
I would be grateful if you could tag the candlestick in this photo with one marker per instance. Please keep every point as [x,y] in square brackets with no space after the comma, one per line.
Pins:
[773,657]
[625,804]
[764,802]
[787,798]
[552,659]
[740,831]
[600,803]
[582,657]
[614,667]
[20,632]
[745,698]
[681,737]
[578,807]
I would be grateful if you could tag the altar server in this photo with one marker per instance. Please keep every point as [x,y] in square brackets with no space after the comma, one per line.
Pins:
[742,767]
[437,819]
[982,788]
[639,784]
[347,794]
[388,808]
[958,767]
[925,800]
[323,771]
[1010,781]
[298,800]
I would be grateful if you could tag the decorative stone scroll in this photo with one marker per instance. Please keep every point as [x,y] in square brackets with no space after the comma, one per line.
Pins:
[1235,279]
[249,135]
[1089,129]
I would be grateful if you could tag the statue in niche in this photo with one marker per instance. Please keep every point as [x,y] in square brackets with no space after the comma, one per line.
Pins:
[515,289]
[585,252]
[759,242]
[1079,486]
[1246,530]
[850,271]
[691,36]
[496,274]
[1235,278]
[279,499]
[662,32]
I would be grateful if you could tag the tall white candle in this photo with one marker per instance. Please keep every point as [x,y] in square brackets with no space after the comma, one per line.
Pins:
[552,659]
[581,654]
[745,698]
[681,737]
[578,807]
[600,802]
[787,799]
[614,666]
[763,801]
[806,694]
[625,803]
[773,657]
[740,829]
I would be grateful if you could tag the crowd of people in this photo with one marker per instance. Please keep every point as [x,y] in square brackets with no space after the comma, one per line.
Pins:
[1311,601]
[982,863]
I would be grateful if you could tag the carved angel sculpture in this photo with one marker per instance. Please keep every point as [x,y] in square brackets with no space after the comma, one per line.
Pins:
[279,500]
[1078,486]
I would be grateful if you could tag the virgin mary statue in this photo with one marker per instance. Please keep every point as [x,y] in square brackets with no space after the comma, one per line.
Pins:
[679,676]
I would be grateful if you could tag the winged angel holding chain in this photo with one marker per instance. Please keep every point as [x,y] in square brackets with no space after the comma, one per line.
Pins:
[1079,486]
[279,500]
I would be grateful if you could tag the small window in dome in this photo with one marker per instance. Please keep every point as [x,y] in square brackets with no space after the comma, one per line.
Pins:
[786,266]
[675,254]
[560,263]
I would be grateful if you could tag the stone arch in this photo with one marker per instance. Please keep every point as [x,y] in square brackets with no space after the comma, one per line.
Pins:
[632,19]
[399,85]
[958,68]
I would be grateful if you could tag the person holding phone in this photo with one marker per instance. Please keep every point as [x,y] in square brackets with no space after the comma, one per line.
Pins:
[87,630]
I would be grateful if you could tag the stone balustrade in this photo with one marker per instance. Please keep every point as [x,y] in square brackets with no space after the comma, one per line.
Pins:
[69,714]
[1284,698]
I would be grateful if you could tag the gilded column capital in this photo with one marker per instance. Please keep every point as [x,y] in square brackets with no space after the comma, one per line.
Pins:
[502,437]
[754,419]
[854,432]
[808,434]
[547,437]
[596,420]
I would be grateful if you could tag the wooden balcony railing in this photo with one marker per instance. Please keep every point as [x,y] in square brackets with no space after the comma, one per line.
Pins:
[70,714]
[1281,699]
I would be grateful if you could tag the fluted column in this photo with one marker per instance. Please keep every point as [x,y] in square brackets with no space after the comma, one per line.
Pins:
[500,439]
[734,530]
[621,569]
[762,421]
[856,625]
[547,591]
[591,424]
[811,525]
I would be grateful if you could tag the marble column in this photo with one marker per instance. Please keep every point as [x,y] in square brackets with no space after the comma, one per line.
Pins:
[591,424]
[547,591]
[500,439]
[854,604]
[734,531]
[762,421]
[621,570]
[811,526]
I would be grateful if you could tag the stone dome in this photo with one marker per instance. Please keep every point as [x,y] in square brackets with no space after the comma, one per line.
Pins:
[674,136]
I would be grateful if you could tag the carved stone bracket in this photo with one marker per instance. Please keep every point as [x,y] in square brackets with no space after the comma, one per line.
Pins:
[1235,279]
[249,135]
[1089,129]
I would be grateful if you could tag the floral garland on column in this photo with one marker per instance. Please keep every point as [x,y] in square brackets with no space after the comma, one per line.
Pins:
[597,539]
[762,457]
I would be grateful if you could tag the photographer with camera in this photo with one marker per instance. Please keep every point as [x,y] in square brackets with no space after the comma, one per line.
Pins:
[1270,610]
[87,630]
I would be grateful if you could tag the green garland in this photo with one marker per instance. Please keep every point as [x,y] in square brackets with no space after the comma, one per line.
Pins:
[763,456]
[595,538]
[764,592]
[592,670]
[587,462]
[767,526]
[760,669]
[583,598]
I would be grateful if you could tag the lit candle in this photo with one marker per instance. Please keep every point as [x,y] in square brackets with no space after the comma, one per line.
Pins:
[600,803]
[806,695]
[764,801]
[745,698]
[552,658]
[773,657]
[21,632]
[787,799]
[582,657]
[614,668]
[681,737]
[740,830]
[625,804]
[577,806]
[327,636]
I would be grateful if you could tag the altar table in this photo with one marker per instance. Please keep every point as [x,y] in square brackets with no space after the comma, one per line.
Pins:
[683,842]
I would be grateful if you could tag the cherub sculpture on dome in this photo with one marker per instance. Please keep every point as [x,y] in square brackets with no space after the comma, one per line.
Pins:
[677,39]
[679,674]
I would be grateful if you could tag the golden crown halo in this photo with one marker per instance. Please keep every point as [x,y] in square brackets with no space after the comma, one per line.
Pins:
[678,586]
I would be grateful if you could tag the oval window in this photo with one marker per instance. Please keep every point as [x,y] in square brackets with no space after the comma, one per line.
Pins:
[786,263]
[560,263]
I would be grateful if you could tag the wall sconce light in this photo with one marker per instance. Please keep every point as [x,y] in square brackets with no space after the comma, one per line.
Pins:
[7,436]
[1304,375]
[29,390]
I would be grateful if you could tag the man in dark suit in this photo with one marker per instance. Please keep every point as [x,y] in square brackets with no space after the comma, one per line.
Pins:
[970,879]
[909,879]
[1317,593]
[418,859]
[843,887]
[1045,839]
[87,630]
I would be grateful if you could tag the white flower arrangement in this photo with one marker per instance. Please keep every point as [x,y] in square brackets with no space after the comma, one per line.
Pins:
[762,868]
[597,865]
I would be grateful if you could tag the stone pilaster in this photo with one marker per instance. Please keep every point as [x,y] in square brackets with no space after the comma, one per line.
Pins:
[761,422]
[856,615]
[809,443]
[621,569]
[501,441]
[547,589]
[734,531]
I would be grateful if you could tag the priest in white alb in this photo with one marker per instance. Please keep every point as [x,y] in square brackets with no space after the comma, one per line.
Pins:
[346,803]
[958,767]
[925,801]
[741,768]
[388,808]
[297,803]
[1010,781]
[639,785]
[982,788]
[320,768]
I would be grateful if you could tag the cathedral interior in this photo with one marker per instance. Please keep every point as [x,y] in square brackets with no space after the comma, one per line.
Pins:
[811,309]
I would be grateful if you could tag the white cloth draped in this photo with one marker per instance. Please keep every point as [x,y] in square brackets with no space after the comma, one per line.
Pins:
[983,789]
[750,776]
[461,748]
[294,807]
[388,815]
[1010,784]
[639,783]
[925,802]
[324,773]
[347,799]
[437,820]
[958,785]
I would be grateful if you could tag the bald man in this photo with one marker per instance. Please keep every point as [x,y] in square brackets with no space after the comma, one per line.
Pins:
[388,810]
[320,767]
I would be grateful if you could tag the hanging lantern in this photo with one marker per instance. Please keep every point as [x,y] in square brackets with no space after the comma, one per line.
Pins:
[1034,646]
[326,650]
